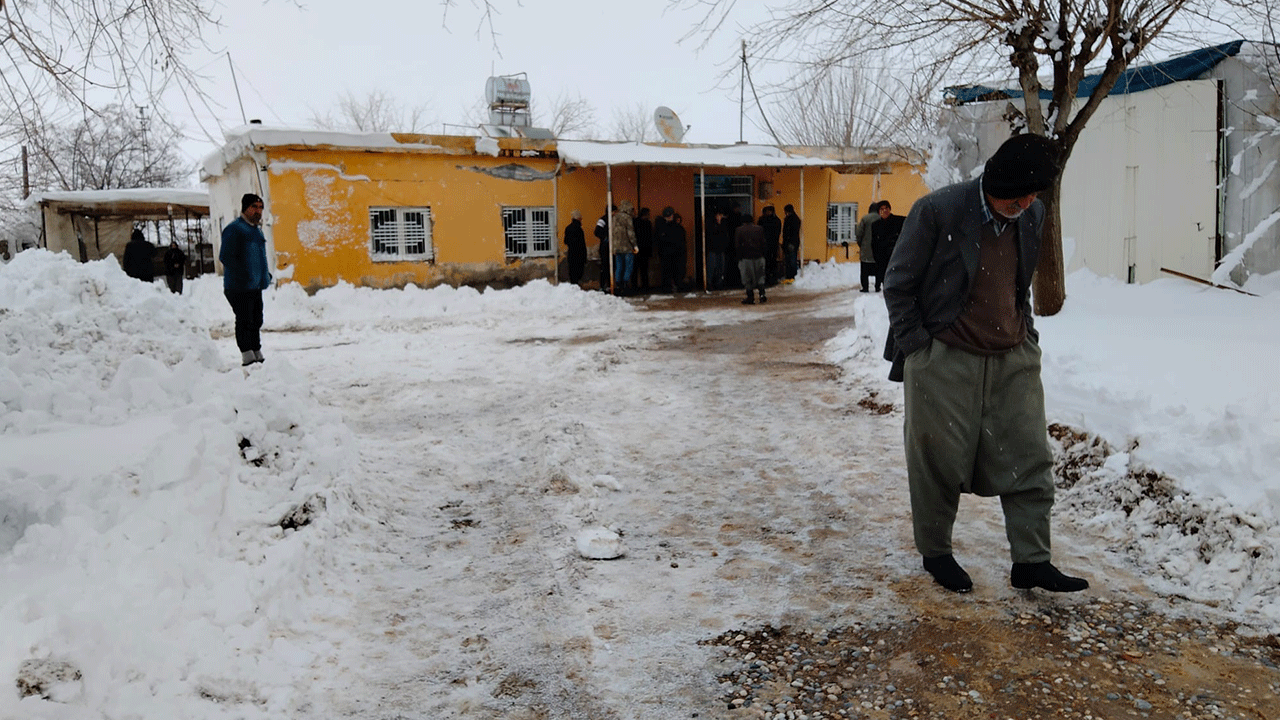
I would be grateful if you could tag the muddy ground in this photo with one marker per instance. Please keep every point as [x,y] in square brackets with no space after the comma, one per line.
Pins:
[950,656]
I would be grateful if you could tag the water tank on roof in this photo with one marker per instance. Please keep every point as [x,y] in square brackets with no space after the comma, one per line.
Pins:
[508,91]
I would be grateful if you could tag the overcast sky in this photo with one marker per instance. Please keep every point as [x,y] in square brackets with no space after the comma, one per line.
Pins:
[292,60]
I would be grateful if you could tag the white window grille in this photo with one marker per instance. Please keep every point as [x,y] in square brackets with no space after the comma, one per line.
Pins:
[397,234]
[842,221]
[529,231]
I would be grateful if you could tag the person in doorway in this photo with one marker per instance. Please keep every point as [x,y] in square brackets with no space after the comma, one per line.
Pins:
[790,242]
[772,227]
[644,248]
[717,246]
[666,238]
[138,257]
[866,251]
[575,242]
[679,249]
[962,340]
[749,242]
[623,245]
[245,275]
[601,232]
[884,235]
[175,266]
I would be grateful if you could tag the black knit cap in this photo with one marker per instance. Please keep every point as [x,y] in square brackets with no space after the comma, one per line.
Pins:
[1023,165]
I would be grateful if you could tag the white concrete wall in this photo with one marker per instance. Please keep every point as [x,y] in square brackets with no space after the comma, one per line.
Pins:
[1141,185]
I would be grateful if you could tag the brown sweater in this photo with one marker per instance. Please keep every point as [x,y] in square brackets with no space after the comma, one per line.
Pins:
[991,323]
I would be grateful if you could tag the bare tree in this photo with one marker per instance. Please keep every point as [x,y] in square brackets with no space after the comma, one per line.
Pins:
[376,111]
[961,39]
[71,48]
[844,107]
[633,123]
[571,116]
[105,150]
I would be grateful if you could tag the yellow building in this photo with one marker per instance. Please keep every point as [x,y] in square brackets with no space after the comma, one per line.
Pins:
[386,210]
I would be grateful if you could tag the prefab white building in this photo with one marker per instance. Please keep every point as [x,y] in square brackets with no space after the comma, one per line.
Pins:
[1174,173]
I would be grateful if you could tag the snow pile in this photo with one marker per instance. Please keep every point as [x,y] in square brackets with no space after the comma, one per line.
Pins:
[827,275]
[142,485]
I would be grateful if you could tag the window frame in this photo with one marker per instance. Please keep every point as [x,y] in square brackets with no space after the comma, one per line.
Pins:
[834,237]
[402,240]
[529,232]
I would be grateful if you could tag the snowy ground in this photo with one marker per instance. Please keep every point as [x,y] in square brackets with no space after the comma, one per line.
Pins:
[460,448]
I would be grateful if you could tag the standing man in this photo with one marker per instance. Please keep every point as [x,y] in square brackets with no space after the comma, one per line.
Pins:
[962,340]
[717,246]
[791,242]
[623,245]
[575,241]
[644,244]
[866,252]
[772,231]
[749,242]
[175,265]
[601,232]
[884,236]
[137,257]
[245,275]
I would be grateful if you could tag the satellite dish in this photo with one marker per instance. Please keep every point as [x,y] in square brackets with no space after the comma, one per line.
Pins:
[669,125]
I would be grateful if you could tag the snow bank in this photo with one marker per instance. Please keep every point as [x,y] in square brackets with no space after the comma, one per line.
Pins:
[142,485]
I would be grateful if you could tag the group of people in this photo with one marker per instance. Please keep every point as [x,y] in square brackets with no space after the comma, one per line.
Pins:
[632,240]
[139,261]
[877,234]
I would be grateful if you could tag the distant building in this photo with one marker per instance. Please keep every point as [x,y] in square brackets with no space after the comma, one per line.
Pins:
[387,210]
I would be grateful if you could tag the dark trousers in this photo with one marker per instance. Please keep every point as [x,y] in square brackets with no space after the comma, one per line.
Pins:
[869,269]
[577,267]
[642,270]
[672,271]
[247,305]
[175,282]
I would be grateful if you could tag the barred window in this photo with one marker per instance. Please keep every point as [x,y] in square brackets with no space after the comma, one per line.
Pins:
[529,231]
[842,221]
[397,234]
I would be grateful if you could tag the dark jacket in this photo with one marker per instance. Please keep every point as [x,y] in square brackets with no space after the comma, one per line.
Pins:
[244,257]
[884,235]
[928,278]
[749,242]
[138,254]
[791,231]
[575,240]
[175,261]
[772,226]
[644,236]
[718,238]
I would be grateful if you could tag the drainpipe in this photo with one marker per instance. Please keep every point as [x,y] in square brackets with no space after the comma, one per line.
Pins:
[608,223]
[801,216]
[702,201]
[555,221]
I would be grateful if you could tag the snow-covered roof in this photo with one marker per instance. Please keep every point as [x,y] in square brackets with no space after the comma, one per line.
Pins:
[240,140]
[574,152]
[131,196]
[584,152]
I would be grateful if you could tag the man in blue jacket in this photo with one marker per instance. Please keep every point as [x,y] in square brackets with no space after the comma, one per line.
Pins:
[245,275]
[963,342]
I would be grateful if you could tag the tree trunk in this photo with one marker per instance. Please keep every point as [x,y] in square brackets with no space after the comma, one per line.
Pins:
[1048,285]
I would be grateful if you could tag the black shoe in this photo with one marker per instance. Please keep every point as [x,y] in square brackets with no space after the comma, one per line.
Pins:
[865,290]
[749,301]
[948,573]
[1025,576]
[763,299]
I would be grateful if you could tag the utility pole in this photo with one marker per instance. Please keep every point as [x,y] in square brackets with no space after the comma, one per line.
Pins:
[142,124]
[742,90]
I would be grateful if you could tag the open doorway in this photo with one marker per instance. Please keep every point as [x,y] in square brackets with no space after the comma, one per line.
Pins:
[734,194]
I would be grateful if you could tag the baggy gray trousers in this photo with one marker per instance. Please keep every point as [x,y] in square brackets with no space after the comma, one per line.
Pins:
[976,424]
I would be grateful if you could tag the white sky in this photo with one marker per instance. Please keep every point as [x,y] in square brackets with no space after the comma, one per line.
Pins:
[292,61]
